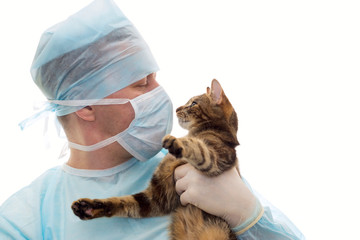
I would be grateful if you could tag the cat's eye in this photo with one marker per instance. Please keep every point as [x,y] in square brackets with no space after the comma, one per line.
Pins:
[193,104]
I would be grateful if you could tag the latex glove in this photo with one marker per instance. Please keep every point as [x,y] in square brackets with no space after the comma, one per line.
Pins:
[225,196]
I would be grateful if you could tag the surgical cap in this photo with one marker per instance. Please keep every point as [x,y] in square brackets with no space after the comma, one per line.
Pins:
[94,53]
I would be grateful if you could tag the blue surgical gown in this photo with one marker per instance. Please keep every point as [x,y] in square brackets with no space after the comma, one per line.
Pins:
[42,210]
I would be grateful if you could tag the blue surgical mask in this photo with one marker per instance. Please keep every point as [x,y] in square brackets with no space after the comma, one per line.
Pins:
[142,139]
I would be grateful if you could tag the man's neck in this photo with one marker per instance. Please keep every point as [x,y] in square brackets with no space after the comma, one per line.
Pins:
[107,157]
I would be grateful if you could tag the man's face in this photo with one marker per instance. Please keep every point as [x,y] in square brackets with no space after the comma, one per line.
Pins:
[116,118]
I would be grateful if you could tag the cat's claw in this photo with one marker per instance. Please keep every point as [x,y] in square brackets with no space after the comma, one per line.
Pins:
[87,209]
[174,145]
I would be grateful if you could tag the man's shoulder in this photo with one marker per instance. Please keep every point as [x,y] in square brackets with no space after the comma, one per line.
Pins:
[33,190]
[20,213]
[45,178]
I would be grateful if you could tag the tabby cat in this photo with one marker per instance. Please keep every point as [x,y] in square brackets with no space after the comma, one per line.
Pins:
[209,146]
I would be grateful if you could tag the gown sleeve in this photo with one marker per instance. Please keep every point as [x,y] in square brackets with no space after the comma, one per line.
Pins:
[9,231]
[273,224]
[20,216]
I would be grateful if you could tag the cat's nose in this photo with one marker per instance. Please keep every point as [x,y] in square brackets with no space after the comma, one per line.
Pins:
[179,109]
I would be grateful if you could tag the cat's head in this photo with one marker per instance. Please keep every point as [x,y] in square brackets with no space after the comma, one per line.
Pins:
[212,106]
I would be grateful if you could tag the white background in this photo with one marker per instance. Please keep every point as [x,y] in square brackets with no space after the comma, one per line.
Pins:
[291,69]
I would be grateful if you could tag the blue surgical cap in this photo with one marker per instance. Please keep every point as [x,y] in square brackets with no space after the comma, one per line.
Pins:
[94,53]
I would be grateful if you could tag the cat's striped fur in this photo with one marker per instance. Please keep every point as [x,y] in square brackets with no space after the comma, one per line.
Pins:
[209,147]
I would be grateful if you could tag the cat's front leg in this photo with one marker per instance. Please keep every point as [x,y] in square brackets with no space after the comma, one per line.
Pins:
[87,209]
[174,145]
[126,206]
[191,149]
[204,157]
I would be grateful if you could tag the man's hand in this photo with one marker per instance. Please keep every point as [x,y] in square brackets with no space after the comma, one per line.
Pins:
[225,196]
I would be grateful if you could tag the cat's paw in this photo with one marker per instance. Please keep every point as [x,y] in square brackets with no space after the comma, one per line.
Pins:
[87,209]
[174,145]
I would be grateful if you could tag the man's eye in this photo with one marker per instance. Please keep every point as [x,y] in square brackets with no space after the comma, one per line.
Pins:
[143,84]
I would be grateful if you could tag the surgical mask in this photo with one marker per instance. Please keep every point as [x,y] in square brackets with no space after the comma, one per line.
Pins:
[142,139]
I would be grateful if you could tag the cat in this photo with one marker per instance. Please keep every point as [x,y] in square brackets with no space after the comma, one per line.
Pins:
[209,146]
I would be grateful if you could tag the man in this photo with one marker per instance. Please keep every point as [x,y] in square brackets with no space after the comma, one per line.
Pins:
[100,78]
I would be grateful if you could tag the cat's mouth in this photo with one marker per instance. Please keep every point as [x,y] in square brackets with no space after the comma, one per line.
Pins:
[184,123]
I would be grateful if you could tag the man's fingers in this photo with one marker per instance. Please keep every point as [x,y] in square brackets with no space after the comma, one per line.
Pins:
[184,199]
[182,182]
[181,185]
[181,171]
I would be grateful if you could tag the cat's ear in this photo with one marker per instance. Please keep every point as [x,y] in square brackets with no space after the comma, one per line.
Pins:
[217,93]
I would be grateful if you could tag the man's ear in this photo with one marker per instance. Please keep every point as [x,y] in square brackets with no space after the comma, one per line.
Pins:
[87,113]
